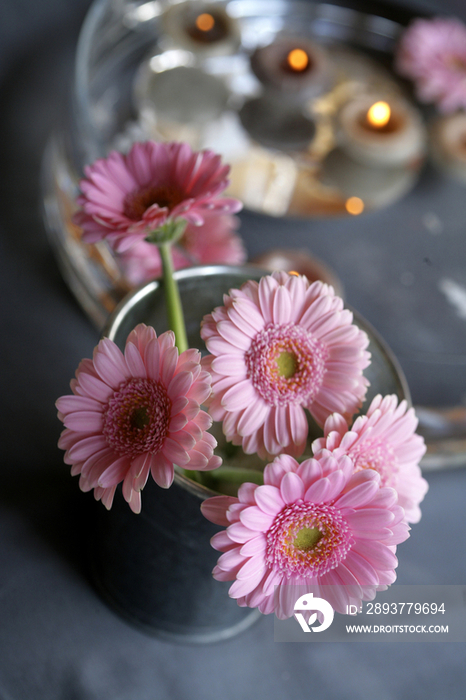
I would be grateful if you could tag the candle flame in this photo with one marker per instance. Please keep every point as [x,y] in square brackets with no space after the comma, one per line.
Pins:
[205,22]
[379,114]
[354,205]
[298,60]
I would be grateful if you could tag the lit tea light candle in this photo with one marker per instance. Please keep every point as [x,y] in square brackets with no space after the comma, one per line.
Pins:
[354,205]
[205,23]
[293,65]
[202,28]
[378,116]
[207,28]
[448,145]
[380,133]
[297,61]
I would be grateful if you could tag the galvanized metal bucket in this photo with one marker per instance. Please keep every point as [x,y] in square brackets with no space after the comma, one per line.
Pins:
[155,568]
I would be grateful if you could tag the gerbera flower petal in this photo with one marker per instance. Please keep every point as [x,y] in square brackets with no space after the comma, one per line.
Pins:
[221,541]
[317,312]
[254,568]
[109,363]
[91,386]
[337,594]
[239,533]
[180,384]
[269,499]
[270,439]
[398,533]
[231,559]
[241,587]
[327,488]
[247,493]
[285,365]
[361,494]
[252,443]
[162,470]
[84,421]
[255,519]
[240,322]
[105,495]
[138,425]
[220,575]
[310,471]
[67,404]
[253,546]
[234,364]
[288,539]
[291,487]
[134,361]
[174,452]
[115,473]
[125,197]
[151,357]
[84,448]
[249,313]
[384,441]
[376,552]
[298,424]
[274,473]
[252,418]
[215,509]
[361,569]
[282,308]
[168,363]
[281,428]
[94,466]
[239,396]
[233,335]
[432,53]
[369,519]
[267,288]
[135,502]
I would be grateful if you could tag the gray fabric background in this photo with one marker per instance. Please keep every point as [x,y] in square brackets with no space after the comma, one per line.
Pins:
[58,641]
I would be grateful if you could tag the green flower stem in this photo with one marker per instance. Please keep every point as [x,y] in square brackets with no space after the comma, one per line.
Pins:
[173,300]
[236,475]
[225,480]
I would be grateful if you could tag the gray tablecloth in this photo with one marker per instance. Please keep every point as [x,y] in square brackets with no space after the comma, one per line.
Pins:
[58,640]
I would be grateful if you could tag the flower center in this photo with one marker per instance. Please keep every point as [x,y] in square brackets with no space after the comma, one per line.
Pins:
[137,203]
[372,454]
[286,364]
[307,540]
[137,417]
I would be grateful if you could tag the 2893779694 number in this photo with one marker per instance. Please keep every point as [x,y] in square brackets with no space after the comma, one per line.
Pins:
[404,608]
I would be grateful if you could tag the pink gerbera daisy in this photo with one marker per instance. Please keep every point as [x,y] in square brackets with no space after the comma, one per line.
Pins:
[432,52]
[315,525]
[277,347]
[383,440]
[135,413]
[125,198]
[215,241]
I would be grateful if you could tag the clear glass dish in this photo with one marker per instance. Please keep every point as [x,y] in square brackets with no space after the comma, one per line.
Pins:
[108,110]
[123,45]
